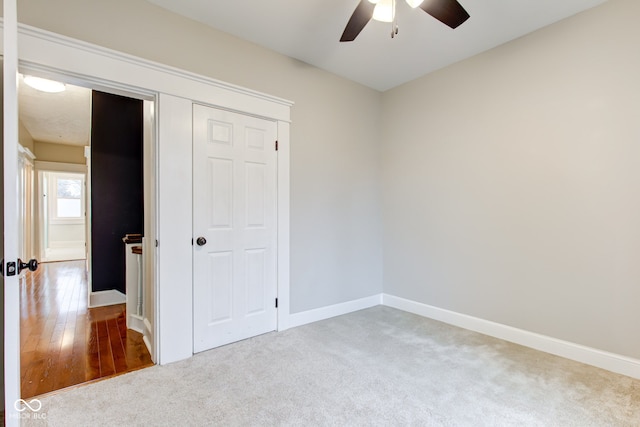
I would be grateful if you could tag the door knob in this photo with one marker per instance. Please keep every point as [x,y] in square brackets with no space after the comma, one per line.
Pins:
[201,241]
[32,265]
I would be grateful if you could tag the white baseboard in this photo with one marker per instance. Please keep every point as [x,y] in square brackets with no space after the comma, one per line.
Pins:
[54,254]
[148,332]
[310,316]
[110,297]
[135,322]
[67,244]
[590,356]
[147,343]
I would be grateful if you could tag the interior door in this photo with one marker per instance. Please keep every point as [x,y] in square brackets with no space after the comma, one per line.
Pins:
[10,217]
[234,221]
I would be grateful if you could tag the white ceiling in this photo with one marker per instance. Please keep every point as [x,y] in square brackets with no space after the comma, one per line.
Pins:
[309,30]
[63,118]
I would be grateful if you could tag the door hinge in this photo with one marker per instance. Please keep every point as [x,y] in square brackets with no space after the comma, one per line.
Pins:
[156,243]
[276,145]
[276,302]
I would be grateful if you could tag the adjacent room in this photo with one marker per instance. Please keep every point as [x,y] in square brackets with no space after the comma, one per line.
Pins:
[440,219]
[82,314]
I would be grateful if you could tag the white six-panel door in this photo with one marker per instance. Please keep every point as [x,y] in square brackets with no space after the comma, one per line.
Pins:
[234,221]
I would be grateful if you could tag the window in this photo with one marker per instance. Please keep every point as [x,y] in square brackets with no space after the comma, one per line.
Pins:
[69,198]
[66,198]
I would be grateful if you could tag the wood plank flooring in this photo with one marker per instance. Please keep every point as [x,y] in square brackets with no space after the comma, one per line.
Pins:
[64,343]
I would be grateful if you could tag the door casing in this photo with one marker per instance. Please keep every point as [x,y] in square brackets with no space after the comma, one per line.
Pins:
[42,168]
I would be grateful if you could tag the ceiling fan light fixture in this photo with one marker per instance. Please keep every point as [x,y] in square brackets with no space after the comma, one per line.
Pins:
[449,12]
[44,85]
[384,11]
[413,3]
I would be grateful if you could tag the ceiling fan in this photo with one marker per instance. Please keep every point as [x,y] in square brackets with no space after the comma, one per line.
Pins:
[449,12]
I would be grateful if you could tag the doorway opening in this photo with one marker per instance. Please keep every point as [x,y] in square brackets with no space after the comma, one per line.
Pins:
[61,218]
[88,311]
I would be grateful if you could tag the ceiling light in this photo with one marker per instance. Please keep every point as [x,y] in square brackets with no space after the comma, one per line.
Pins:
[413,3]
[374,1]
[44,85]
[384,11]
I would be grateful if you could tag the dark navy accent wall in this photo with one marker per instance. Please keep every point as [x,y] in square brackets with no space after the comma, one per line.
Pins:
[116,185]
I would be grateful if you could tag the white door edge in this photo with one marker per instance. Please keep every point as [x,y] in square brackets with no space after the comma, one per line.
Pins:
[10,168]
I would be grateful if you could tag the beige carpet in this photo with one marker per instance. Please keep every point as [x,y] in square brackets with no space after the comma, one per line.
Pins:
[375,367]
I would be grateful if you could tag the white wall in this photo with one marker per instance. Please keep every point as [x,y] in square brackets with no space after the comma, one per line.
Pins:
[511,186]
[336,252]
[59,233]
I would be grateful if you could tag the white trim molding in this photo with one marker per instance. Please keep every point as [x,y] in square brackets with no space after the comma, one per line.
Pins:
[580,353]
[322,313]
[148,332]
[26,152]
[124,71]
[110,297]
[136,323]
[60,167]
[283,203]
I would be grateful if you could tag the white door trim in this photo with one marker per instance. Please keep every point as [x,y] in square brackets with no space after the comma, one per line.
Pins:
[52,55]
[40,168]
[283,224]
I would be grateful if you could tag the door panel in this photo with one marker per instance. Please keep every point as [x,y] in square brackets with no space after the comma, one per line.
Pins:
[221,293]
[234,185]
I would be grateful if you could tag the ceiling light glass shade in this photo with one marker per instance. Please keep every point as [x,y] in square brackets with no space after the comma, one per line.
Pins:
[383,11]
[374,1]
[413,3]
[44,85]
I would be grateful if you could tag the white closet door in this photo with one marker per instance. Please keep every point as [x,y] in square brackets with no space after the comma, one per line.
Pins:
[235,219]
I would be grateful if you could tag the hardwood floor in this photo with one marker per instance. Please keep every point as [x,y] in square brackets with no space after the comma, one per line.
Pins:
[63,343]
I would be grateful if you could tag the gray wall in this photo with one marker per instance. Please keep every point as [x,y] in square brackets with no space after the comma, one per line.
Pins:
[511,183]
[336,252]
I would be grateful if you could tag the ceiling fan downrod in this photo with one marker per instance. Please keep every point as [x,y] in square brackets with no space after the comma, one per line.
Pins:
[394,22]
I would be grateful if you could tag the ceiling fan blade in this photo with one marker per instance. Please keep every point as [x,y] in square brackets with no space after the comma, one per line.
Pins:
[361,16]
[449,12]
